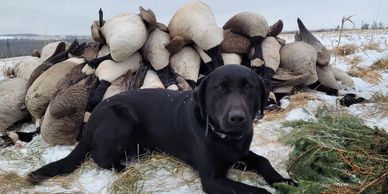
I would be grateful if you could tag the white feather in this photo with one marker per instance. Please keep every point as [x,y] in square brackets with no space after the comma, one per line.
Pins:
[196,22]
[152,80]
[125,34]
[110,70]
[154,49]
[231,58]
[205,58]
[186,63]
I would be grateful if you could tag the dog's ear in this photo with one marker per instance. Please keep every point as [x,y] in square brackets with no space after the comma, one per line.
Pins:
[200,96]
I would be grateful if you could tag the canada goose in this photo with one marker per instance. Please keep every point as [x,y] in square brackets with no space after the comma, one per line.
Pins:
[44,88]
[255,27]
[12,109]
[308,60]
[119,85]
[196,22]
[65,113]
[125,33]
[59,55]
[109,71]
[343,77]
[25,67]
[155,52]
[186,63]
[49,49]
[305,35]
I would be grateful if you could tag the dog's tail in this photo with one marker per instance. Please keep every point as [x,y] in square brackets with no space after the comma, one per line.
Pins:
[63,166]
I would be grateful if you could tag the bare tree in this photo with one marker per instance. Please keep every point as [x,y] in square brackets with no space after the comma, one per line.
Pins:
[344,20]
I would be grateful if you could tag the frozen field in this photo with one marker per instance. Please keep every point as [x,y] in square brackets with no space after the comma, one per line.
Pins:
[161,174]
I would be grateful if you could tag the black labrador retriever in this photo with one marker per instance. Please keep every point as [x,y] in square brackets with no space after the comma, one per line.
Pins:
[209,128]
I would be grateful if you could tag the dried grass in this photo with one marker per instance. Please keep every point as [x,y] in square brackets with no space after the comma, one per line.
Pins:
[380,64]
[345,50]
[381,100]
[371,76]
[132,179]
[372,46]
[297,100]
[380,97]
[128,181]
[354,60]
[13,183]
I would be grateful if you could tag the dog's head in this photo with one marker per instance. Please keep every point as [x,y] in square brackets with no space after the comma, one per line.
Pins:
[230,97]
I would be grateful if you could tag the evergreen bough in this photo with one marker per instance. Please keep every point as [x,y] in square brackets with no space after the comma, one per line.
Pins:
[336,153]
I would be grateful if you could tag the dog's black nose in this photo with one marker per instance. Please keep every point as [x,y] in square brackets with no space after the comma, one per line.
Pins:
[236,117]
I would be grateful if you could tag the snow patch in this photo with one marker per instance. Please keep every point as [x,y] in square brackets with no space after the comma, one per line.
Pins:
[95,181]
[55,153]
[299,114]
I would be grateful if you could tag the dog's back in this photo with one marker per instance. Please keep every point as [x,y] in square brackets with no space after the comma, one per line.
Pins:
[160,119]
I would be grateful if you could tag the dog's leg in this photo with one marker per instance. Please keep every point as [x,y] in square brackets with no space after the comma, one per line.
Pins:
[263,167]
[225,185]
[113,137]
[109,151]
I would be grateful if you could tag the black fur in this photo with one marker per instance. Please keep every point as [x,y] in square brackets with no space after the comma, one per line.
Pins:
[176,123]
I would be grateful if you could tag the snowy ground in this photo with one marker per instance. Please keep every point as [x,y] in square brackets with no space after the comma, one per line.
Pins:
[166,176]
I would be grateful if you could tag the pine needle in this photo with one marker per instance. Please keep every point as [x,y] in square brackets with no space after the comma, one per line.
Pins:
[337,154]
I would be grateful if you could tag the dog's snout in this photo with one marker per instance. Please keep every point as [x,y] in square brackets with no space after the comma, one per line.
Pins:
[237,117]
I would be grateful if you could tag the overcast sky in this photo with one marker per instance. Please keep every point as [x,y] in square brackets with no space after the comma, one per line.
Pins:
[74,17]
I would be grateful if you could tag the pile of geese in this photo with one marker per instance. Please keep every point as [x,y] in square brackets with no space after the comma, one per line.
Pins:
[59,86]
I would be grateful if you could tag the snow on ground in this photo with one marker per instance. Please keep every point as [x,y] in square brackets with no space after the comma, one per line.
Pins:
[22,158]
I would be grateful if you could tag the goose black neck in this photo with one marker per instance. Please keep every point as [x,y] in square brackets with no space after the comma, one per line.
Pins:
[256,43]
[322,88]
[61,56]
[97,95]
[215,54]
[166,76]
[96,62]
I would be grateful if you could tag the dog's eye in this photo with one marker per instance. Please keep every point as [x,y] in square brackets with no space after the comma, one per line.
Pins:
[220,88]
[247,87]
